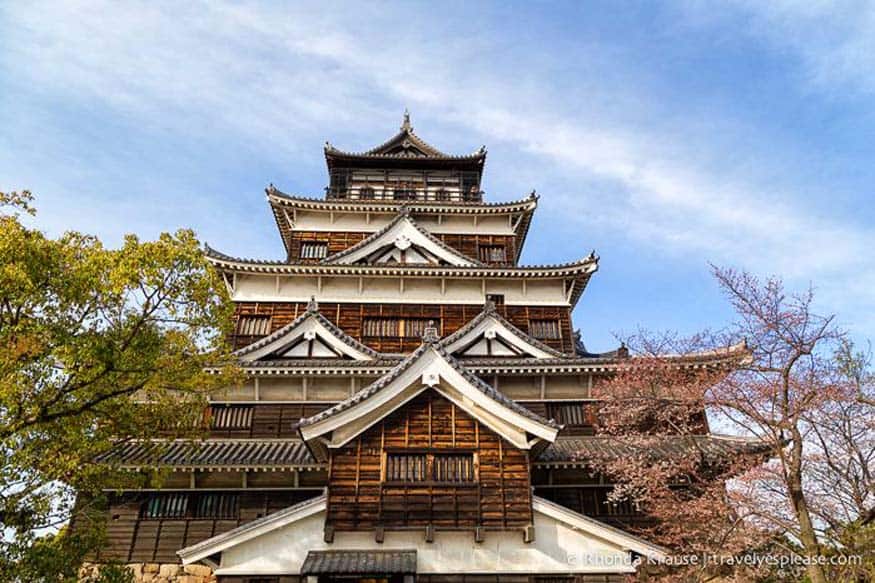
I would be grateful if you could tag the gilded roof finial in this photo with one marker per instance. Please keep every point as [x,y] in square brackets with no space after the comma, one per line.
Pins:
[430,334]
[405,124]
[312,305]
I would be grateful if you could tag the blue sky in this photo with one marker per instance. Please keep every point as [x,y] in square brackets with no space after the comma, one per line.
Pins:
[663,135]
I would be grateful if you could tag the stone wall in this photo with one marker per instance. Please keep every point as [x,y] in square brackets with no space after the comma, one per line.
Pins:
[157,573]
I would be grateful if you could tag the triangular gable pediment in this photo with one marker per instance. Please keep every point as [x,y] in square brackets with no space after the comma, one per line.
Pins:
[401,242]
[279,544]
[489,335]
[309,336]
[406,145]
[429,367]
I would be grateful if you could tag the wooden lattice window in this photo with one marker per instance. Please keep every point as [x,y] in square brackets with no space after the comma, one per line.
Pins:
[447,468]
[569,413]
[453,467]
[442,194]
[492,254]
[231,417]
[314,249]
[165,505]
[395,327]
[366,193]
[544,329]
[338,182]
[170,505]
[406,467]
[253,325]
[217,506]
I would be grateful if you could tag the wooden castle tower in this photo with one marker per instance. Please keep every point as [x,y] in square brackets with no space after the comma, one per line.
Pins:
[417,405]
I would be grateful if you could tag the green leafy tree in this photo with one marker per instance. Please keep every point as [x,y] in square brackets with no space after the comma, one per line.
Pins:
[98,345]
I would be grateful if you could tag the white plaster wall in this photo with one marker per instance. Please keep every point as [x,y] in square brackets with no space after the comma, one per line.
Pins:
[556,549]
[358,222]
[264,288]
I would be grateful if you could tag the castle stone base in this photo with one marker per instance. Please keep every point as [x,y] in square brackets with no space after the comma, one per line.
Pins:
[157,573]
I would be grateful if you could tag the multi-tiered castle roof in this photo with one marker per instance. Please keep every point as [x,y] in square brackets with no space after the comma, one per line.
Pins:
[417,402]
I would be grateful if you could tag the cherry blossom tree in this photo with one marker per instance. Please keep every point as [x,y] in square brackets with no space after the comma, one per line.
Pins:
[797,387]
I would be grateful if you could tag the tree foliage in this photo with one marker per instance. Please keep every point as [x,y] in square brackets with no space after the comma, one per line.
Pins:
[99,345]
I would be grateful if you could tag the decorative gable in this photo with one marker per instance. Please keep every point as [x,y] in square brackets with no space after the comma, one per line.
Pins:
[489,335]
[309,336]
[402,241]
[429,367]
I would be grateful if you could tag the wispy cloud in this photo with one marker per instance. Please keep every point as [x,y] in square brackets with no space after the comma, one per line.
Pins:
[276,78]
[833,40]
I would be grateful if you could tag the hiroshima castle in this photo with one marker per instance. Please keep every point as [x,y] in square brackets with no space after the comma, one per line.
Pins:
[417,405]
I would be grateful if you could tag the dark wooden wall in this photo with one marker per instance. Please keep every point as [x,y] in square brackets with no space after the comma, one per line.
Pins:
[450,318]
[273,420]
[134,539]
[279,420]
[358,500]
[468,245]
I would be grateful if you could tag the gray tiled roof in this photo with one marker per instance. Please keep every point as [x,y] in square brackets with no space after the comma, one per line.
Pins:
[223,453]
[359,563]
[576,450]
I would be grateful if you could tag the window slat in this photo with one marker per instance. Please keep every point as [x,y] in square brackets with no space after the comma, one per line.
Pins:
[254,325]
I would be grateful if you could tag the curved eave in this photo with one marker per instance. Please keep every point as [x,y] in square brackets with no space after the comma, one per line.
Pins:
[332,154]
[281,204]
[491,366]
[578,271]
[279,198]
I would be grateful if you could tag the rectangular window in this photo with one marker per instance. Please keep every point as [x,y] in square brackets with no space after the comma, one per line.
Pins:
[497,299]
[254,325]
[452,468]
[338,182]
[544,329]
[170,505]
[569,413]
[406,467]
[314,249]
[217,506]
[492,254]
[166,505]
[231,417]
[396,327]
